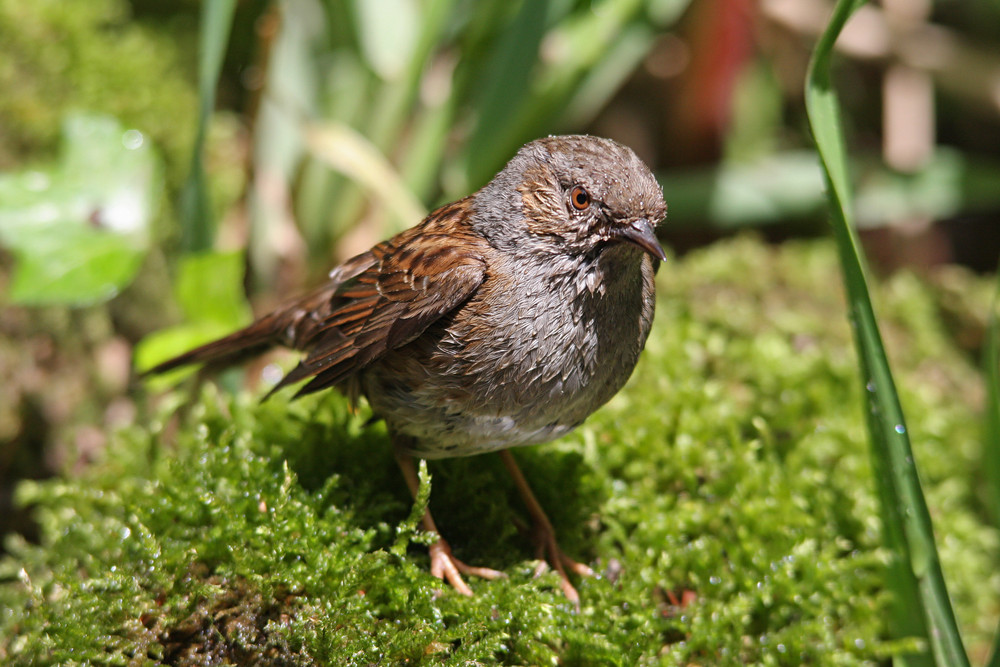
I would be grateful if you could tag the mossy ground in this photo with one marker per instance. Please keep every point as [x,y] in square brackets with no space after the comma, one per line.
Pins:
[724,498]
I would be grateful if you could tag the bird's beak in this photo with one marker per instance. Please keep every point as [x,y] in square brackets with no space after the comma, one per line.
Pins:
[640,232]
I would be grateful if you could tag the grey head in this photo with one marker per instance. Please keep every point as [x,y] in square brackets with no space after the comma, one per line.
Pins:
[571,194]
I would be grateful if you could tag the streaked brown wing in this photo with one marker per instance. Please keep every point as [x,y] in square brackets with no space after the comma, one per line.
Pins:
[416,278]
[289,326]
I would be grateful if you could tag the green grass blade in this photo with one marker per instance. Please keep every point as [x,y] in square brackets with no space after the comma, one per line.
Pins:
[396,101]
[991,364]
[991,445]
[922,607]
[506,86]
[197,230]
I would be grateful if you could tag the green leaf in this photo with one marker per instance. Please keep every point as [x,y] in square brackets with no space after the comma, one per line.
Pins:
[769,189]
[80,229]
[922,607]
[209,290]
[167,343]
[72,266]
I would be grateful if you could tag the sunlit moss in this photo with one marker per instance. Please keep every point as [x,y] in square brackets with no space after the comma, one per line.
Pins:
[724,498]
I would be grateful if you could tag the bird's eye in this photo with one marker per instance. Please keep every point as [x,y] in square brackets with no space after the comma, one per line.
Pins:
[580,198]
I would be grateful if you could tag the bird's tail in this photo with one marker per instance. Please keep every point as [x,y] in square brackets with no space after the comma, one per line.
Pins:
[240,346]
[293,326]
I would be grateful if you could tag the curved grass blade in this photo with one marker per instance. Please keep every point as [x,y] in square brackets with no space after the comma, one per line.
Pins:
[197,230]
[921,608]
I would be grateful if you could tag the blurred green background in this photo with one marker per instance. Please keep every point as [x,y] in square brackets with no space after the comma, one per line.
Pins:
[168,168]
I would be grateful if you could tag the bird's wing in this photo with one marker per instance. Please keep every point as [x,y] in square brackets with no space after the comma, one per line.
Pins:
[411,280]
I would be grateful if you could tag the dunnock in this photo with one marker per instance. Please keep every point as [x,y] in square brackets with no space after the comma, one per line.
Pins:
[503,319]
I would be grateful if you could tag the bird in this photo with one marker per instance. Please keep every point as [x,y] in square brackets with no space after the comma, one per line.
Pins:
[501,320]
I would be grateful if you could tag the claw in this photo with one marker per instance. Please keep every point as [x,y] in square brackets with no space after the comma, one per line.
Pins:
[548,550]
[446,567]
[443,567]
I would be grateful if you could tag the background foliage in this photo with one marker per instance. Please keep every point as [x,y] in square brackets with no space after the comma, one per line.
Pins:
[133,226]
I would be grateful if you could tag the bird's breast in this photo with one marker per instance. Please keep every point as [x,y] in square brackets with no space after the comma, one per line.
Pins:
[526,360]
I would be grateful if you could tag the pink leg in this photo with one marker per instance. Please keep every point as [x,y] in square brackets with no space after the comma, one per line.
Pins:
[544,534]
[443,564]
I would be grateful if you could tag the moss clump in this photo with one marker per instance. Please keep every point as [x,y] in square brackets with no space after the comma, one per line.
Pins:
[64,56]
[724,497]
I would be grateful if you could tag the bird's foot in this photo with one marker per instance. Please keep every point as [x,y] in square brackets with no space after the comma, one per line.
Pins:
[544,536]
[446,567]
[550,554]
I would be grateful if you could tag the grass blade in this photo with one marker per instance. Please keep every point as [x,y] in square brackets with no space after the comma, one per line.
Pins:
[506,87]
[197,230]
[991,445]
[922,608]
[344,150]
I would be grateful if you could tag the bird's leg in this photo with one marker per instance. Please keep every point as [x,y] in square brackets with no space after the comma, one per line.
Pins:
[544,534]
[443,564]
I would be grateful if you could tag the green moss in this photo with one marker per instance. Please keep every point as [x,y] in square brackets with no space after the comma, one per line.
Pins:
[63,56]
[724,497]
